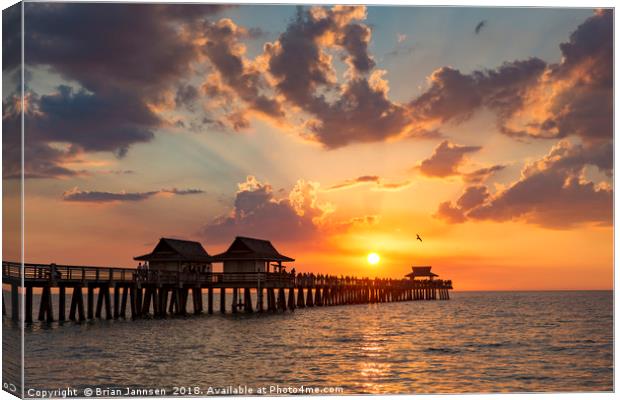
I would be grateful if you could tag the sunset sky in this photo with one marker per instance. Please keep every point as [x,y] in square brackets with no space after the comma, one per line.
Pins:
[331,131]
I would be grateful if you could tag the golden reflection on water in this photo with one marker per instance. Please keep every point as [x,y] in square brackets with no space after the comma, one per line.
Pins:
[477,342]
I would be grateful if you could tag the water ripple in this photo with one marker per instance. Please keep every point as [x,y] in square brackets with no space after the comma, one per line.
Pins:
[477,342]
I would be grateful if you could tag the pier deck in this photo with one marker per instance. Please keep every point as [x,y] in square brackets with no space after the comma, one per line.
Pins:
[123,291]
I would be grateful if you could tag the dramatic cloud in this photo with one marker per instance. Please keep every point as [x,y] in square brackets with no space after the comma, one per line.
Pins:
[454,96]
[122,75]
[11,38]
[377,183]
[77,195]
[119,88]
[529,97]
[575,97]
[297,215]
[68,38]
[226,53]
[302,67]
[472,197]
[446,159]
[44,161]
[257,212]
[533,99]
[552,192]
[69,116]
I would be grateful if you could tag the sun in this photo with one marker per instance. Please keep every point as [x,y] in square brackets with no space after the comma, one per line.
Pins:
[373,258]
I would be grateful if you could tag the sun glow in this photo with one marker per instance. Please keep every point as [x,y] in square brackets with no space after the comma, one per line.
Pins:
[373,258]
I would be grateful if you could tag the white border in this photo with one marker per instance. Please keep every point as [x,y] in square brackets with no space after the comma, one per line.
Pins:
[470,3]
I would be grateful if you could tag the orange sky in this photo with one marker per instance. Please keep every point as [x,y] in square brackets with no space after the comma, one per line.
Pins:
[495,146]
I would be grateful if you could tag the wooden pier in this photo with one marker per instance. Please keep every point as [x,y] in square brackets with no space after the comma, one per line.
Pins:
[129,293]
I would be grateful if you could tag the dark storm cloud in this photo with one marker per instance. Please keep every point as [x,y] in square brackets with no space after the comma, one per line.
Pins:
[446,159]
[82,120]
[362,111]
[135,46]
[124,56]
[11,37]
[70,116]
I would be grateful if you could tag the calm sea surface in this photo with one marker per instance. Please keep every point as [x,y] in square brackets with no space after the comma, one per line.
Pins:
[476,342]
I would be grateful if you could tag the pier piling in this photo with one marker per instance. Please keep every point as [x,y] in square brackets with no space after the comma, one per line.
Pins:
[161,295]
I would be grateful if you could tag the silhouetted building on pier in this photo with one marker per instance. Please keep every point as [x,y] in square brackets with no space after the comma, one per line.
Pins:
[250,255]
[178,256]
[181,270]
[421,272]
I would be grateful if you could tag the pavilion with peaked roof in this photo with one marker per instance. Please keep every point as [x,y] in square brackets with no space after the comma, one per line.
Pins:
[177,255]
[247,254]
[421,272]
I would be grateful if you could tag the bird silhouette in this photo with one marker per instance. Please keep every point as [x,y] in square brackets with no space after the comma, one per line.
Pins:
[418,237]
[480,25]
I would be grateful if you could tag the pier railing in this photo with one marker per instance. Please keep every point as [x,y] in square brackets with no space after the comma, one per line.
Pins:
[138,291]
[47,272]
[57,273]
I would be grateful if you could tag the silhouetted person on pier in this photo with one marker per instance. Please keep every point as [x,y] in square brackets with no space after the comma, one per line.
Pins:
[141,272]
[54,273]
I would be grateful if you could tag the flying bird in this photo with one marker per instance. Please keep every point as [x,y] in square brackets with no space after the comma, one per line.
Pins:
[418,237]
[480,25]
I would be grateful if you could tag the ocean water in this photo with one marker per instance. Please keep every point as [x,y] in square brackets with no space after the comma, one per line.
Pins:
[476,342]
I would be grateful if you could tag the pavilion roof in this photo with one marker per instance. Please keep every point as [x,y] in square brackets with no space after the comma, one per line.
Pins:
[176,250]
[424,271]
[246,248]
